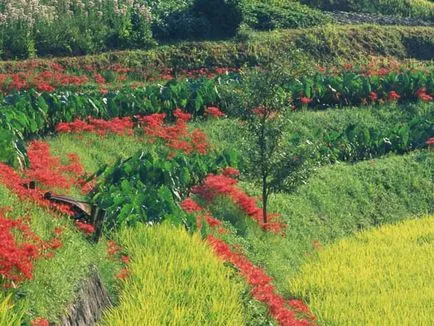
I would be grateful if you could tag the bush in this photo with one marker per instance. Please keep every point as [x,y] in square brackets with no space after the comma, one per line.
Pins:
[224,16]
[77,28]
[268,16]
[387,273]
[408,8]
[175,279]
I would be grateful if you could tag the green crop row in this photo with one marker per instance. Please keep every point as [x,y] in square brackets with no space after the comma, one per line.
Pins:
[175,279]
[28,113]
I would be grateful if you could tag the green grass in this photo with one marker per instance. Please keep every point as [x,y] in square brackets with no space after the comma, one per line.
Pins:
[379,277]
[338,200]
[175,279]
[56,281]
[95,151]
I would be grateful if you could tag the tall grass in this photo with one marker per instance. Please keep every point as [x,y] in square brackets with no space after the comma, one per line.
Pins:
[175,279]
[380,277]
[9,317]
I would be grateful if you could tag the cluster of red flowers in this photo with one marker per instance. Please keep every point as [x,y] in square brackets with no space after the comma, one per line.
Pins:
[119,126]
[262,288]
[17,256]
[115,251]
[175,136]
[214,185]
[85,227]
[18,185]
[40,322]
[214,112]
[393,96]
[48,170]
[424,96]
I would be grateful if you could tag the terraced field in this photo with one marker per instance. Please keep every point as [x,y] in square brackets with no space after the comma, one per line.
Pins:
[276,168]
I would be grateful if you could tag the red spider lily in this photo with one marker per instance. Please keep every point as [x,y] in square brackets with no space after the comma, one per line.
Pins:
[113,248]
[373,96]
[430,141]
[99,78]
[190,206]
[393,96]
[14,183]
[19,247]
[40,322]
[262,289]
[84,227]
[123,274]
[423,96]
[125,259]
[214,112]
[305,100]
[44,87]
[230,172]
[214,185]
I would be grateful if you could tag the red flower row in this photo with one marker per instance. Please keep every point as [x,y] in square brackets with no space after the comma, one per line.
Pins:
[17,256]
[214,185]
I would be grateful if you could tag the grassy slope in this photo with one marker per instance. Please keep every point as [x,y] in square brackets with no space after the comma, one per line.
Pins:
[56,280]
[338,200]
[325,43]
[382,276]
[175,279]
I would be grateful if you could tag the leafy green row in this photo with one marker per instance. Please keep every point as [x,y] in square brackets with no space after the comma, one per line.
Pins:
[29,113]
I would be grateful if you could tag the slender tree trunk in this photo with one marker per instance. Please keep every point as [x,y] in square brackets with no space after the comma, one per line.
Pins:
[264,198]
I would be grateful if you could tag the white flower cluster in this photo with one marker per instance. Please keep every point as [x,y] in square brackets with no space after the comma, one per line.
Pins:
[30,12]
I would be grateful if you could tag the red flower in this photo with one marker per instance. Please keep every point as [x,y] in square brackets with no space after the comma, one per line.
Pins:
[84,227]
[214,112]
[430,141]
[125,259]
[190,206]
[373,96]
[305,100]
[123,274]
[393,96]
[40,322]
[230,172]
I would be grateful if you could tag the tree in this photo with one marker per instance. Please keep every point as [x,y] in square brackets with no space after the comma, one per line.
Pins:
[265,107]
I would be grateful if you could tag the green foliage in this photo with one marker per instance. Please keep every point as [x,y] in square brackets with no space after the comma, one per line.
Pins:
[148,187]
[175,279]
[386,272]
[224,16]
[288,14]
[74,29]
[422,9]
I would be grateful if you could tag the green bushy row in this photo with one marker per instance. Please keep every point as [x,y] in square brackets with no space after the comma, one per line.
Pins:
[423,9]
[349,134]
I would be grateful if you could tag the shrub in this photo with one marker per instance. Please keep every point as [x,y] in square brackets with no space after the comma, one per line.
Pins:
[72,28]
[386,272]
[269,16]
[175,280]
